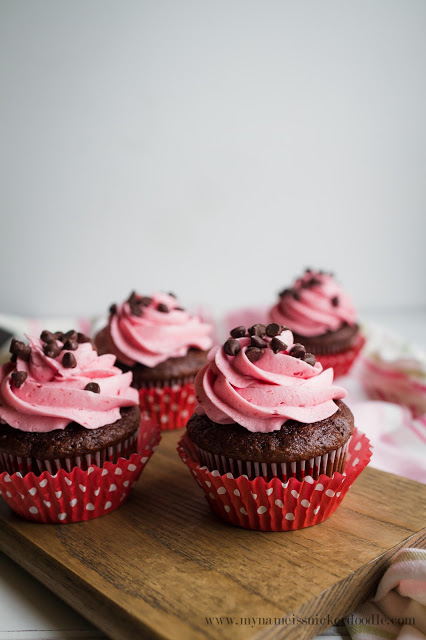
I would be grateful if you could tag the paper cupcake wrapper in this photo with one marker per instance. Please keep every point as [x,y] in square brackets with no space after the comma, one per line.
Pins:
[170,405]
[342,362]
[123,449]
[327,464]
[80,494]
[277,505]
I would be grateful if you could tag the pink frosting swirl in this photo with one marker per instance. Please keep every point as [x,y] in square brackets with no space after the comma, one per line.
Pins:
[262,395]
[316,304]
[155,335]
[52,395]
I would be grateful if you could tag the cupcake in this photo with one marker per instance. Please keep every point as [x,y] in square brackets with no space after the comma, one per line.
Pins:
[270,427]
[66,412]
[164,347]
[322,317]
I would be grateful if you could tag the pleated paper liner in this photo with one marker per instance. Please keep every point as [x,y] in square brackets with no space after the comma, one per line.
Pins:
[342,362]
[170,405]
[81,494]
[276,505]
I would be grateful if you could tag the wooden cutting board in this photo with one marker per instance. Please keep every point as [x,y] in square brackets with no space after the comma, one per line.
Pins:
[163,566]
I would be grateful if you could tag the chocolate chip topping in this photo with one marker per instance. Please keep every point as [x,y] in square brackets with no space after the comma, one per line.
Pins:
[238,332]
[314,282]
[59,335]
[173,295]
[69,361]
[69,335]
[296,295]
[132,297]
[145,301]
[179,309]
[47,336]
[309,358]
[232,347]
[277,345]
[136,309]
[273,329]
[93,387]
[19,378]
[51,349]
[297,350]
[254,354]
[70,345]
[20,349]
[162,307]
[257,341]
[257,330]
[285,292]
[82,338]
[113,309]
[335,301]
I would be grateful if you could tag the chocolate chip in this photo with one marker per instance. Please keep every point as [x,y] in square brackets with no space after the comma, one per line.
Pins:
[13,358]
[335,301]
[179,309]
[257,341]
[308,270]
[70,345]
[254,354]
[47,336]
[172,294]
[69,361]
[297,350]
[232,347]
[132,297]
[314,282]
[162,307]
[69,335]
[93,387]
[257,330]
[51,349]
[309,358]
[277,345]
[19,378]
[285,292]
[59,335]
[82,338]
[273,329]
[20,349]
[296,295]
[238,332]
[145,301]
[135,309]
[113,309]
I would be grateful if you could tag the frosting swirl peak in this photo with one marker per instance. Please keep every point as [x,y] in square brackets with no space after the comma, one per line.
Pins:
[149,330]
[261,393]
[314,305]
[51,383]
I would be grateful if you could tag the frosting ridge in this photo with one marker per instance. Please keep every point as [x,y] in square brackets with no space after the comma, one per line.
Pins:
[261,395]
[41,393]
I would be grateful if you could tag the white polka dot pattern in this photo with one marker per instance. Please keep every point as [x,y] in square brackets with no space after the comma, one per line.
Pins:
[170,405]
[276,505]
[80,494]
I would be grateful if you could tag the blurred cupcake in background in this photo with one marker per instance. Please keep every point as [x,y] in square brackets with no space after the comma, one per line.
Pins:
[69,420]
[323,318]
[164,346]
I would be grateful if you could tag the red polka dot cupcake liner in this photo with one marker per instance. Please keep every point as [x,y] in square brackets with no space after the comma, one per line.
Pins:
[171,405]
[81,494]
[277,505]
[342,362]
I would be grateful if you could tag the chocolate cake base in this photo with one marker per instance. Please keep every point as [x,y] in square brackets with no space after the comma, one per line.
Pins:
[331,342]
[70,447]
[297,449]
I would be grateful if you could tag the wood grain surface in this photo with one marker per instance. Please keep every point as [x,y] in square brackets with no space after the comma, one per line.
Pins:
[163,566]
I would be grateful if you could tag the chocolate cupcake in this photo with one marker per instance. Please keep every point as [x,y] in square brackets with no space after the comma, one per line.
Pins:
[266,408]
[164,347]
[270,437]
[63,406]
[322,317]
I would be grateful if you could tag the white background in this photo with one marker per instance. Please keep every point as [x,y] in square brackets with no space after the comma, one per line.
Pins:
[214,149]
